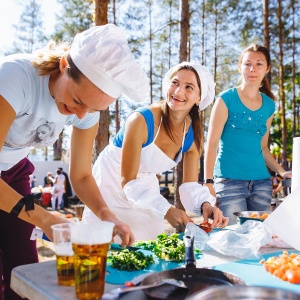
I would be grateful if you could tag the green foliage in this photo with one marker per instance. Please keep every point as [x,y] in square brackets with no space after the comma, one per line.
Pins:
[29,29]
[76,16]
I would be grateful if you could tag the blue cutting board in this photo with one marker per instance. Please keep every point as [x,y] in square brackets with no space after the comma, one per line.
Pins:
[253,273]
[114,276]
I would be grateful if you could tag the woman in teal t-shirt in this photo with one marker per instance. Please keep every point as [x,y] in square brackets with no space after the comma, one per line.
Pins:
[237,153]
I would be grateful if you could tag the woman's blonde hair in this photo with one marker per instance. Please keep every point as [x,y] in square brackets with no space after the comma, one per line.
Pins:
[47,60]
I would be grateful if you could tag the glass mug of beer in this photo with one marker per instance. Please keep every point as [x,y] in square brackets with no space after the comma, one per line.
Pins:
[64,254]
[90,242]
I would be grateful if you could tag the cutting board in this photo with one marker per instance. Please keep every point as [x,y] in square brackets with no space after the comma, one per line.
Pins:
[114,276]
[253,273]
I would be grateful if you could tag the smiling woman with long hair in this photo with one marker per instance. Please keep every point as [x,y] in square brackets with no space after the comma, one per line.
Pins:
[155,139]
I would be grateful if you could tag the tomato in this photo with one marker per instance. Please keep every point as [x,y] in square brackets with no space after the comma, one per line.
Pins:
[129,283]
[293,276]
[206,226]
[285,266]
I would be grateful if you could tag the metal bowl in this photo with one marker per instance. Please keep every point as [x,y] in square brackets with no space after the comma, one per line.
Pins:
[243,216]
[244,293]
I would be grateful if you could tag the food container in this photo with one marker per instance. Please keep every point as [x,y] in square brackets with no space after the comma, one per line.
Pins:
[244,216]
[244,293]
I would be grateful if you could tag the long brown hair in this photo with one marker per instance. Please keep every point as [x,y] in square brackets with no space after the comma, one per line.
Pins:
[194,113]
[47,60]
[265,85]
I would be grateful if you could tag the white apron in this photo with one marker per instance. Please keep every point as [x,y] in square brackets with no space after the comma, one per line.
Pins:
[107,173]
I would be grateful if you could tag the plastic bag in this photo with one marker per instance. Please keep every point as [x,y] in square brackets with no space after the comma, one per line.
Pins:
[244,242]
[200,236]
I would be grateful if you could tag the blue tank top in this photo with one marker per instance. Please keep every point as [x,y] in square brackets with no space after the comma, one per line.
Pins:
[148,115]
[240,155]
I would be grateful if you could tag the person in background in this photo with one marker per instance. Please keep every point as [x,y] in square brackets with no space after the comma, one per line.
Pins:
[237,153]
[155,139]
[48,180]
[58,189]
[64,84]
[32,180]
[68,190]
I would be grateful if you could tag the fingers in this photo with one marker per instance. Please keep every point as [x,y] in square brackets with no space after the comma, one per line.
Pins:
[177,218]
[124,232]
[219,220]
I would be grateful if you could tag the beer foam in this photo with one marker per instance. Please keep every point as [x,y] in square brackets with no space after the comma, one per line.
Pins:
[63,249]
[91,233]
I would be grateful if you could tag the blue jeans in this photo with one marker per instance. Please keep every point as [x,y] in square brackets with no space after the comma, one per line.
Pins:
[241,195]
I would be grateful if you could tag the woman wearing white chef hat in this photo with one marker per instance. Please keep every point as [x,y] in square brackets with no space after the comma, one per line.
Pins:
[153,141]
[61,85]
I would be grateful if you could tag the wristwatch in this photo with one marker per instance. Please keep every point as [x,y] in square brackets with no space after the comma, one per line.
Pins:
[209,181]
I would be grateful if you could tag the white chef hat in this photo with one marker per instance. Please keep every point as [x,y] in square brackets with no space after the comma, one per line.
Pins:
[102,54]
[206,79]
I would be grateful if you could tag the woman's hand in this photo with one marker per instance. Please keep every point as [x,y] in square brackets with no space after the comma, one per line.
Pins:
[287,175]
[218,219]
[51,219]
[177,217]
[120,229]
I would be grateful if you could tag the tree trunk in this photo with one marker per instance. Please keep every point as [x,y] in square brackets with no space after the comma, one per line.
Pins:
[151,49]
[266,29]
[183,55]
[102,137]
[281,87]
[294,106]
[184,30]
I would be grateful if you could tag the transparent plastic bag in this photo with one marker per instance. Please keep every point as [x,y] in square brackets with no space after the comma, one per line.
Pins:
[244,242]
[200,236]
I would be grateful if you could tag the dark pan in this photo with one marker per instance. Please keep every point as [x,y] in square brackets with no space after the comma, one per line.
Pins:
[196,279]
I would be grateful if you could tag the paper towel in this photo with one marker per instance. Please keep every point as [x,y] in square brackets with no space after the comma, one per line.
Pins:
[296,163]
[284,221]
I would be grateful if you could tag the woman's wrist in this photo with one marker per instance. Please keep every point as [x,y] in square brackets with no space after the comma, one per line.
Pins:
[202,206]
[285,173]
[106,214]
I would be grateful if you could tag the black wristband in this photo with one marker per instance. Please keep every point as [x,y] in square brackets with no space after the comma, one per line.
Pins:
[28,201]
[209,181]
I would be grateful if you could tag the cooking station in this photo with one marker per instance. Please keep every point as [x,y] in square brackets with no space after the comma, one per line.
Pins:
[39,282]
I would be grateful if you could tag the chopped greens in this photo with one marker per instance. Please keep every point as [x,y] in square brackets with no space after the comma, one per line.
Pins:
[168,247]
[129,260]
[145,245]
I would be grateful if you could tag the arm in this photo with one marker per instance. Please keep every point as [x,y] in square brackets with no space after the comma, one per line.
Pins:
[268,157]
[217,122]
[9,197]
[196,197]
[136,190]
[135,136]
[84,183]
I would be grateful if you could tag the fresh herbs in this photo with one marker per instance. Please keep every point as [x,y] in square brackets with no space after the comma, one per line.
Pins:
[145,245]
[130,260]
[168,247]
